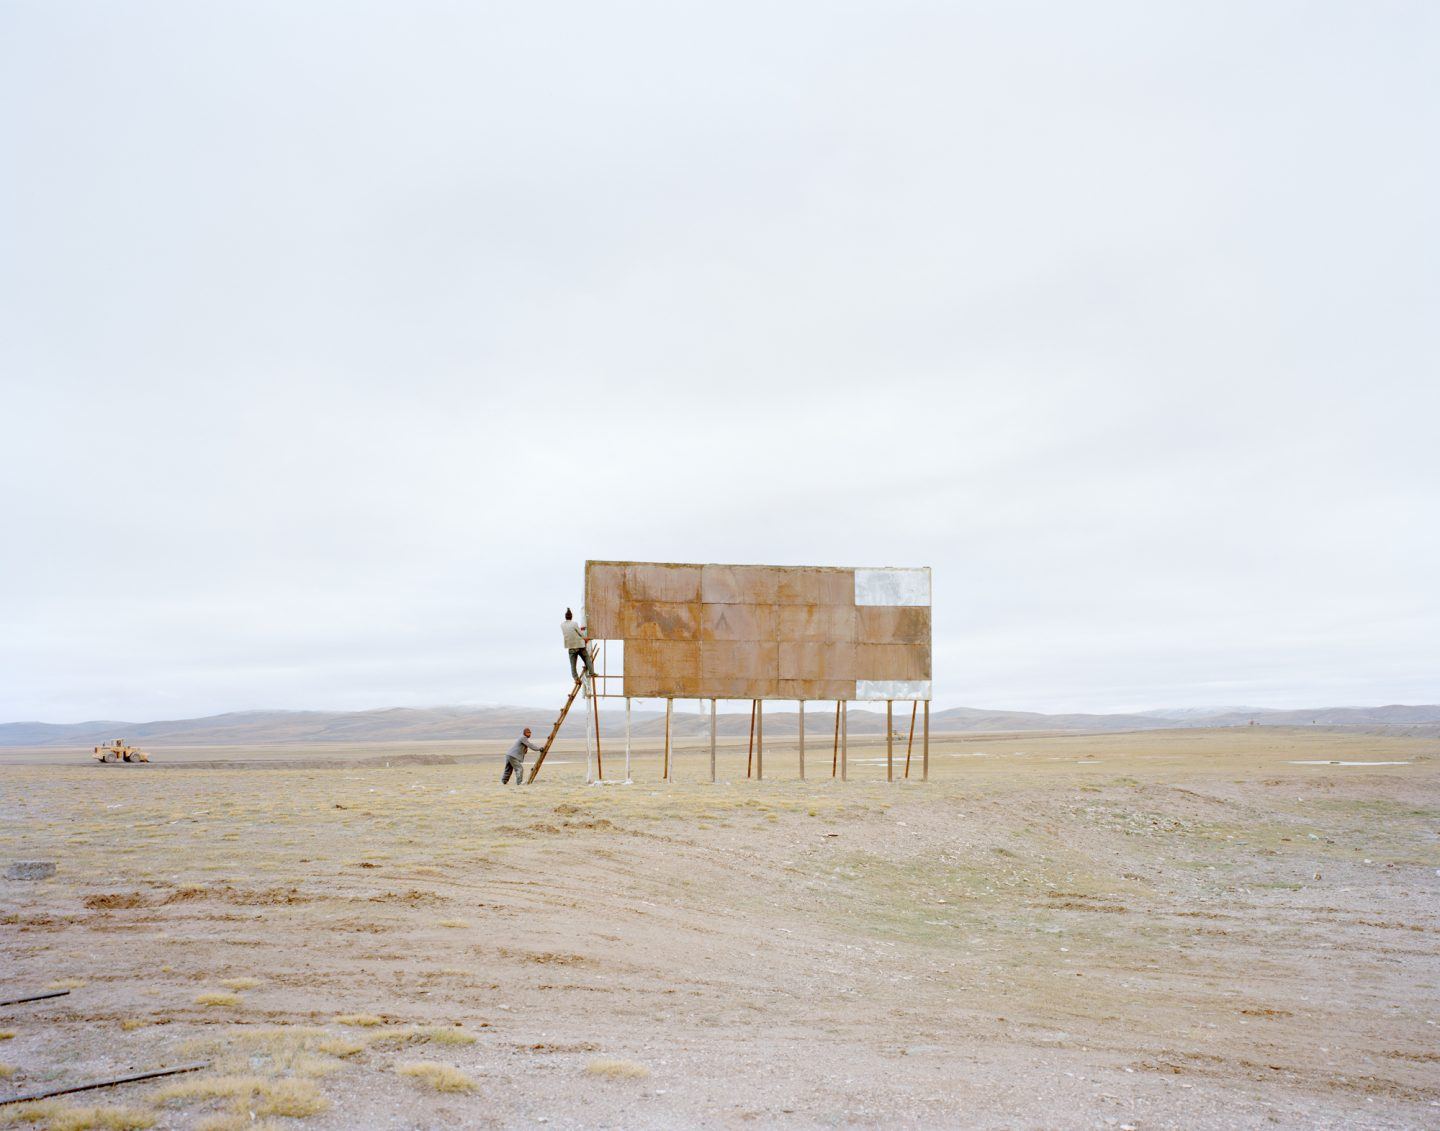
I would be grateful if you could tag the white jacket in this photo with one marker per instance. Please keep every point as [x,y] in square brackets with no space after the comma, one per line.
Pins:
[574,638]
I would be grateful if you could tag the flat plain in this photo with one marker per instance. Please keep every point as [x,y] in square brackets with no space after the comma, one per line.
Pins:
[1207,928]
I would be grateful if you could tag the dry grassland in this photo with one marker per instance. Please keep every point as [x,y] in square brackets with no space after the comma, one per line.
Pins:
[1171,929]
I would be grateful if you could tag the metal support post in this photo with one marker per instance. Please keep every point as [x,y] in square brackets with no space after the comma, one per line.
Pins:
[759,739]
[589,766]
[802,740]
[925,749]
[889,740]
[910,745]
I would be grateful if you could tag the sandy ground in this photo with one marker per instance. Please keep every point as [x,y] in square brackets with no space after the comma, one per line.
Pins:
[1168,929]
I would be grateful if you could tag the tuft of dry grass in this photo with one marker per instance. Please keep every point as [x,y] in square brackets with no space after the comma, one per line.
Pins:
[441,1077]
[294,1099]
[6,1071]
[217,997]
[274,1050]
[446,1035]
[363,1020]
[240,1121]
[418,1035]
[241,983]
[341,1046]
[210,1088]
[56,1115]
[130,1024]
[457,924]
[6,1034]
[617,1069]
[66,984]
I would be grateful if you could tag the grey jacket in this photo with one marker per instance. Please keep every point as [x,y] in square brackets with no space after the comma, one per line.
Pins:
[517,751]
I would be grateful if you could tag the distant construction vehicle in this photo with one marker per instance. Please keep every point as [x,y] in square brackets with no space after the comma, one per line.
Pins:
[119,751]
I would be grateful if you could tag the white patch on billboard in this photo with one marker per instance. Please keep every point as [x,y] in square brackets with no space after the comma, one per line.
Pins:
[892,587]
[880,689]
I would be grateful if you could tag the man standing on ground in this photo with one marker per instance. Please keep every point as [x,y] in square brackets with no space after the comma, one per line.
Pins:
[515,759]
[576,645]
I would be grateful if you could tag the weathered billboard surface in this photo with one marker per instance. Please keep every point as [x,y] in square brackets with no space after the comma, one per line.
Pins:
[764,632]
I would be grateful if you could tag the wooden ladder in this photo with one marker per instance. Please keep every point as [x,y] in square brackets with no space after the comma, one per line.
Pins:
[555,730]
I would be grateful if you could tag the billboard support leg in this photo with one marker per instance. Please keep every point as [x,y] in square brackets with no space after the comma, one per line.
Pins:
[595,705]
[665,775]
[750,750]
[925,749]
[802,740]
[712,741]
[589,766]
[889,740]
[909,746]
[759,739]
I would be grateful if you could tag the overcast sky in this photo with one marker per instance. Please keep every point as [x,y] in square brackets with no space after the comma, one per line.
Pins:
[335,337]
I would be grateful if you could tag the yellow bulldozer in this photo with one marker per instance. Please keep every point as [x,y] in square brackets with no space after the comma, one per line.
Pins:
[118,751]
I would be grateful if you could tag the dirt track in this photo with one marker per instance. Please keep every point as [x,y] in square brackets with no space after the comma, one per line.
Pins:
[1173,929]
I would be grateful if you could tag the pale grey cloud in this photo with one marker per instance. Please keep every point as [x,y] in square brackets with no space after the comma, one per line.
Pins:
[336,337]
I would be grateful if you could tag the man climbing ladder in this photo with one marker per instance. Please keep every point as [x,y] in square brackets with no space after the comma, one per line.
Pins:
[585,684]
[575,643]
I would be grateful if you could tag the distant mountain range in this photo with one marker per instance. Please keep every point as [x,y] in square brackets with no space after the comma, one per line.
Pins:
[430,724]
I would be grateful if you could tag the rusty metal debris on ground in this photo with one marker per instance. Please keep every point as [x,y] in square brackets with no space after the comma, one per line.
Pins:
[132,1078]
[35,997]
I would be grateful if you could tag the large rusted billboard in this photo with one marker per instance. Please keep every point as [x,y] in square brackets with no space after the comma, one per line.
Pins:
[764,632]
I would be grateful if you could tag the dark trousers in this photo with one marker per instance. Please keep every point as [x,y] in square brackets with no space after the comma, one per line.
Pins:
[516,767]
[583,655]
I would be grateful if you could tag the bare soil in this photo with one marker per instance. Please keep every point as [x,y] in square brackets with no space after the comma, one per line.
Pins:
[1165,929]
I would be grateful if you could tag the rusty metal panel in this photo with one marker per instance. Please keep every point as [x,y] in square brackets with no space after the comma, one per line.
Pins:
[892,661]
[737,622]
[679,656]
[604,589]
[661,581]
[813,586]
[795,586]
[739,659]
[665,686]
[662,668]
[835,587]
[833,659]
[739,585]
[659,620]
[815,624]
[817,689]
[892,624]
[741,689]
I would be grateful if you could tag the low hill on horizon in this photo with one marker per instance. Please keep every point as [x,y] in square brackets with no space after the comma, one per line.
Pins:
[434,724]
